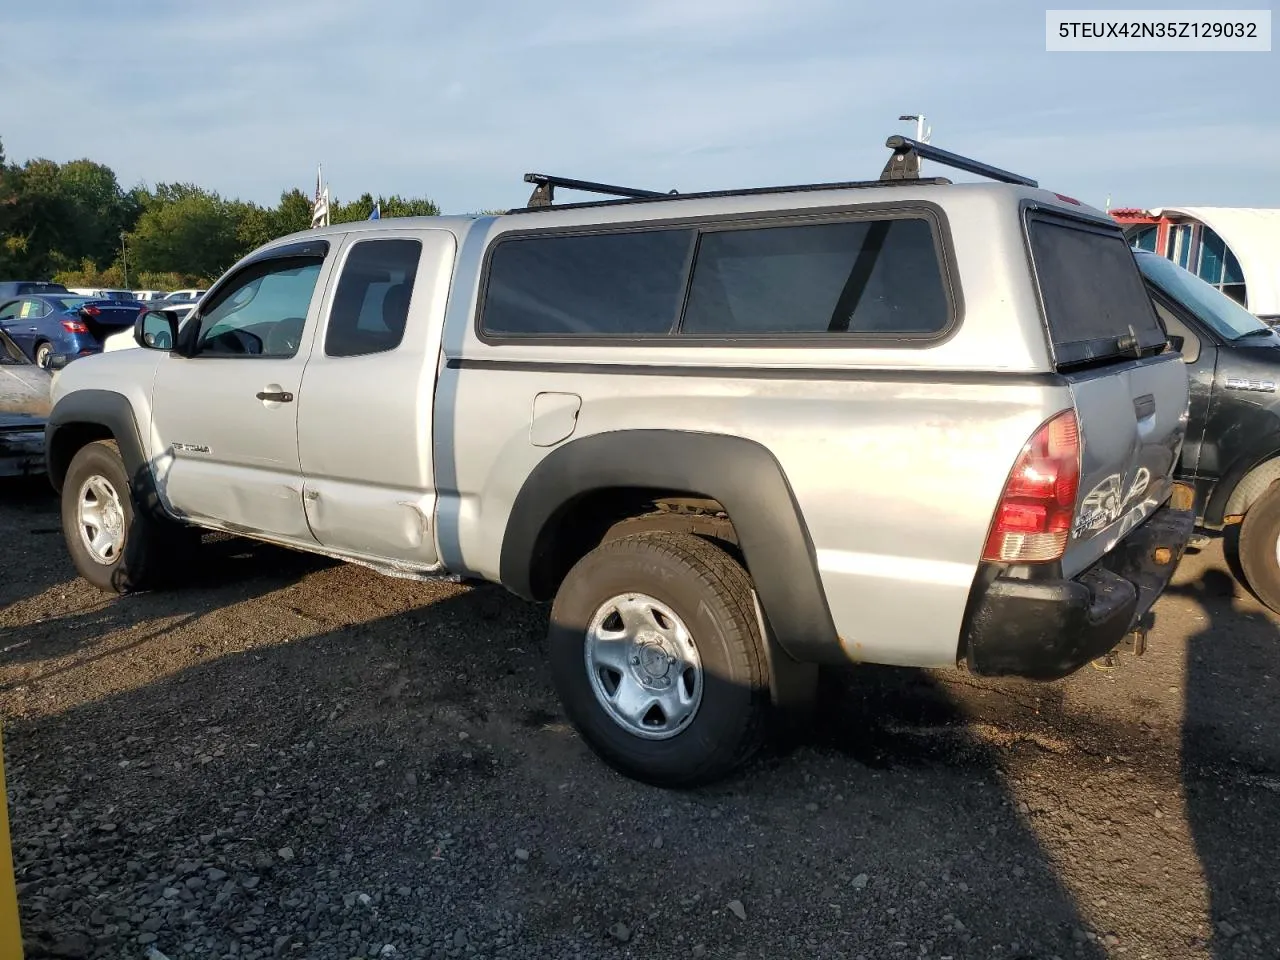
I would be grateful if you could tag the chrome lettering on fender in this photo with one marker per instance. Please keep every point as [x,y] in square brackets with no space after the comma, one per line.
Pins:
[1252,386]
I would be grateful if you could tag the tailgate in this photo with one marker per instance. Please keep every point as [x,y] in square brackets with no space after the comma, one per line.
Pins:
[1132,423]
[1130,397]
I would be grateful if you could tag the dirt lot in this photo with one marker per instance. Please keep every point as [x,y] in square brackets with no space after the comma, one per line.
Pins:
[295,758]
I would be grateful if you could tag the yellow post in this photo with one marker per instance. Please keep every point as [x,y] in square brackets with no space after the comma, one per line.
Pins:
[10,930]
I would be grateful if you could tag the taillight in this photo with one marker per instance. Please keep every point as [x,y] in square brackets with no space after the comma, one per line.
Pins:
[1033,520]
[91,310]
[74,326]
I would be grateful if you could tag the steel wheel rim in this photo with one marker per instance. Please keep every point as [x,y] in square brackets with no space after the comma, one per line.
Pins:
[643,665]
[100,519]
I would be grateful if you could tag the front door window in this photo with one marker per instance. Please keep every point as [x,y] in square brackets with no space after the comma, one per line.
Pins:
[262,313]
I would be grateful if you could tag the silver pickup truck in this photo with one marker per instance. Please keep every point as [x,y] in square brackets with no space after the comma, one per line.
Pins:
[733,435]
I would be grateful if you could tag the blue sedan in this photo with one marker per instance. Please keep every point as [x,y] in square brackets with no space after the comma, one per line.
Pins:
[52,328]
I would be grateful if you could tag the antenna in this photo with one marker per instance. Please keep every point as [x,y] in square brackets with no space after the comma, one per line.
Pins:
[922,133]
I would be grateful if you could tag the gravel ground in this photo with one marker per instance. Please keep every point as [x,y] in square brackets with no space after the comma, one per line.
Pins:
[295,758]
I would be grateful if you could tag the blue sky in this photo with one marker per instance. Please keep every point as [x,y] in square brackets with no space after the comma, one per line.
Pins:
[456,101]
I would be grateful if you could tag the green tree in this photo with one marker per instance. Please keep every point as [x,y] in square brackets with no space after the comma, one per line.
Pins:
[89,274]
[392,206]
[67,220]
[98,209]
[398,206]
[195,234]
[254,225]
[358,209]
[58,215]
[10,246]
[293,213]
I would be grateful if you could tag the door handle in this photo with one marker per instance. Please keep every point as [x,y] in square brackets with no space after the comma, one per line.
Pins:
[1144,406]
[279,396]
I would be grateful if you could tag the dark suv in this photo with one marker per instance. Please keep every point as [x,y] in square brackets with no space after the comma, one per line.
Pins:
[1232,451]
[20,288]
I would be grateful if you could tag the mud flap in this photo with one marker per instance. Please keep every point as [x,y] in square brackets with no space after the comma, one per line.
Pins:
[793,686]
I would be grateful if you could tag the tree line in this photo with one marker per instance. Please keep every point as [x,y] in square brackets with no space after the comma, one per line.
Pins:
[73,223]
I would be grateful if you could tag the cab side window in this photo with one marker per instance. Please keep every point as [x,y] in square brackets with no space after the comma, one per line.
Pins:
[371,304]
[1190,348]
[262,312]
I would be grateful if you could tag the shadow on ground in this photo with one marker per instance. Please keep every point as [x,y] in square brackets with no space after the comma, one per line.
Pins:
[420,760]
[1231,765]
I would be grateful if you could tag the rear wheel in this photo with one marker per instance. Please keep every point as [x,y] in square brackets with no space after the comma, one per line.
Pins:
[112,546]
[44,353]
[1260,547]
[657,655]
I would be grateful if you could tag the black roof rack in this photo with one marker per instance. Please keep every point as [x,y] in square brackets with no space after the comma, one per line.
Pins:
[544,192]
[907,154]
[903,169]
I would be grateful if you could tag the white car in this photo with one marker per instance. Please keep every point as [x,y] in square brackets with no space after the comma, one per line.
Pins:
[148,295]
[184,295]
[123,340]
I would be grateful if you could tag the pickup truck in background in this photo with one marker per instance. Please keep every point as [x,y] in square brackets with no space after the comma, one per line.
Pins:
[732,435]
[1232,452]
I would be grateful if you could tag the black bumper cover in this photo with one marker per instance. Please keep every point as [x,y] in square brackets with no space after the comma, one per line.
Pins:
[1047,629]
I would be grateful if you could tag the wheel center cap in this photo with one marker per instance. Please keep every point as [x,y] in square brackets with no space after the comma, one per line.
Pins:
[654,660]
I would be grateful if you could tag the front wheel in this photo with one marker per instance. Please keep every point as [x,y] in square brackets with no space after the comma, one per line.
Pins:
[1259,550]
[658,659]
[112,546]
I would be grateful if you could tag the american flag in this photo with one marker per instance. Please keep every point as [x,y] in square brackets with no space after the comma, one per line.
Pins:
[320,206]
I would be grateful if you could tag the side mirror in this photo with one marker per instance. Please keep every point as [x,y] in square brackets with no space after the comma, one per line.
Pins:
[155,330]
[57,361]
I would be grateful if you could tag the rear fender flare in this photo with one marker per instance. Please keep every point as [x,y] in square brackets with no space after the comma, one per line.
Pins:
[742,475]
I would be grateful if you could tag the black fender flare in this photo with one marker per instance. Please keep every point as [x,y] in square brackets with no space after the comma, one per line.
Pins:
[742,475]
[1260,452]
[113,413]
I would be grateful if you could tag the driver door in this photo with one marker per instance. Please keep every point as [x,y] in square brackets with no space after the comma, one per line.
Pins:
[225,415]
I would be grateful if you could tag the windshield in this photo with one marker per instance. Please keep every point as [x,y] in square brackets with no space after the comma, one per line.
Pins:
[1213,307]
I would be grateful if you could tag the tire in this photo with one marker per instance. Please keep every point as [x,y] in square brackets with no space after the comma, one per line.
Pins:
[656,576]
[1259,537]
[142,547]
[44,352]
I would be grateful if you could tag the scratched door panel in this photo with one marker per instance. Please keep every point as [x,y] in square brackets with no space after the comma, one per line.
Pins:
[225,421]
[364,429]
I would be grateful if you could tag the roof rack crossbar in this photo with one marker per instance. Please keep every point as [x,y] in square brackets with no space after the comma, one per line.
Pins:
[544,192]
[907,154]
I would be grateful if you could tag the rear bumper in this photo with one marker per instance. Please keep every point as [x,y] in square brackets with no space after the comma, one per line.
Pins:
[1046,629]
